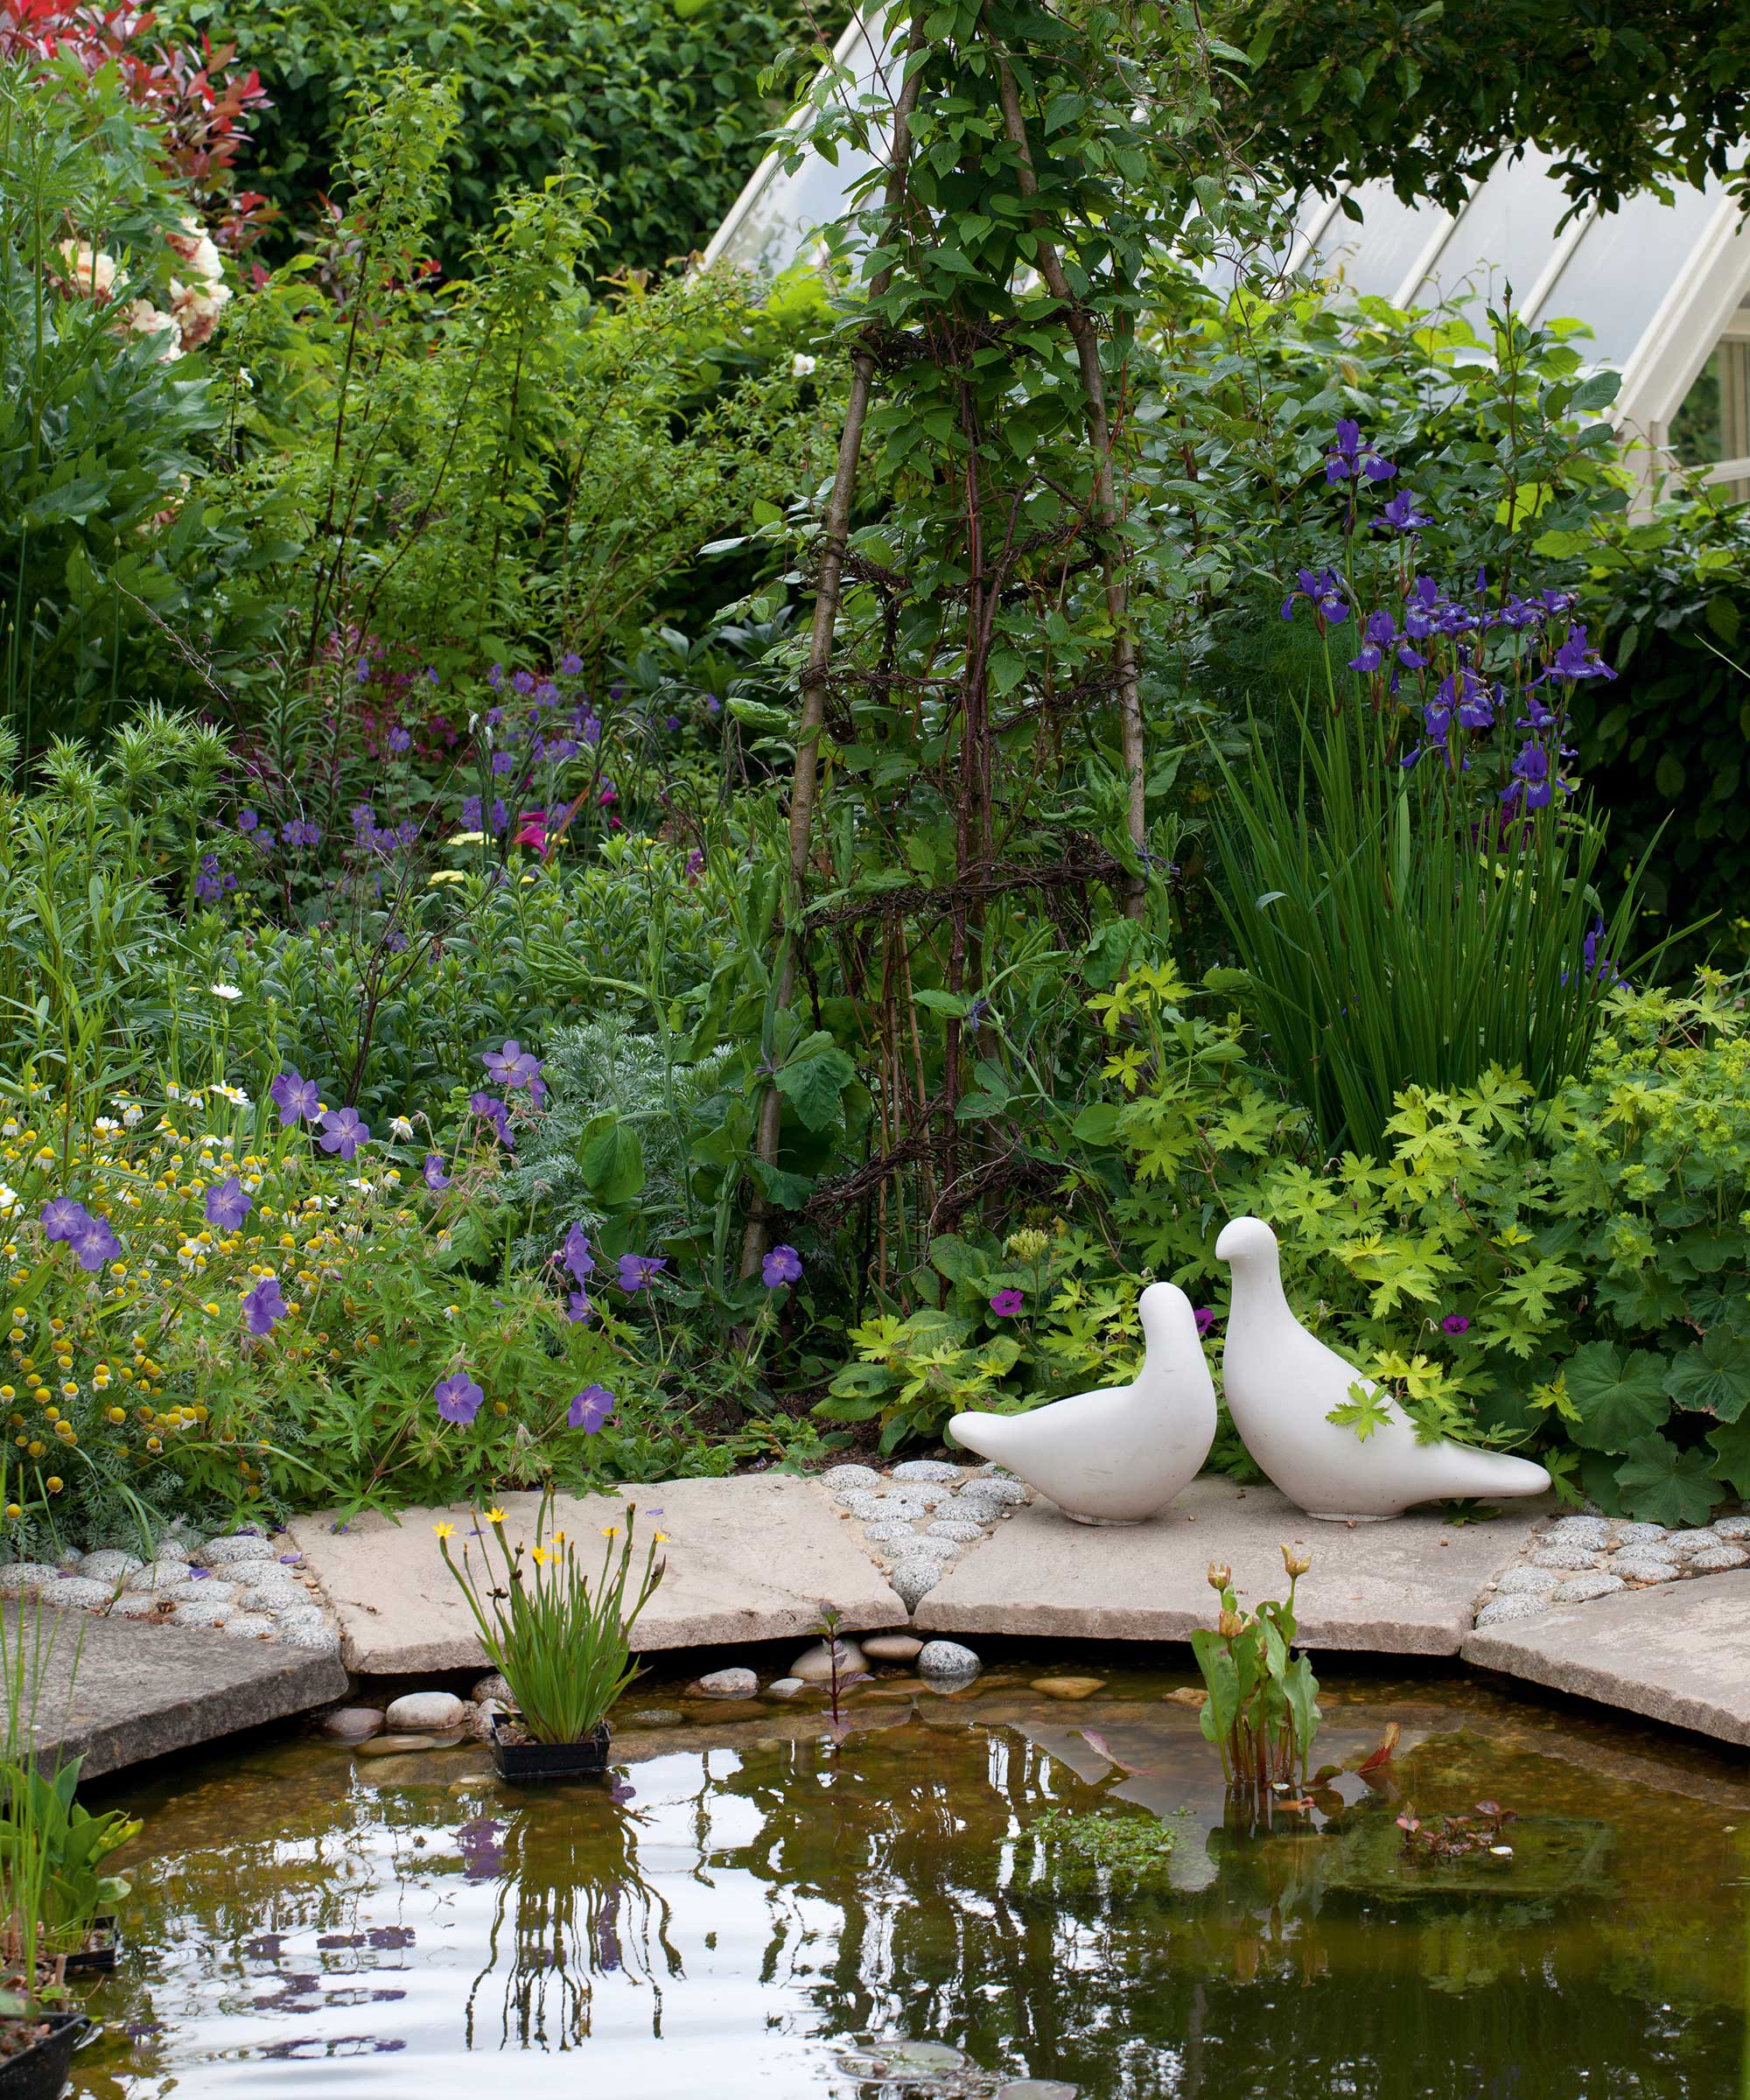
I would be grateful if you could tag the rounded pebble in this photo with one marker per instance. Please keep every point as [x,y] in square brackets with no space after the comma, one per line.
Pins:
[198,1592]
[135,1603]
[729,1684]
[1037,2088]
[1000,1486]
[785,1688]
[925,1548]
[25,1578]
[1527,1582]
[74,1592]
[914,1575]
[1562,1555]
[861,1503]
[495,1687]
[352,1724]
[110,1566]
[959,1529]
[201,1615]
[432,1711]
[813,1665]
[1639,1533]
[1734,1527]
[1595,1533]
[926,1469]
[1687,1544]
[271,1596]
[159,1575]
[1719,1558]
[247,1625]
[892,1528]
[947,1659]
[1499,1609]
[1581,1589]
[320,1640]
[1068,1688]
[840,1477]
[892,1647]
[236,1545]
[299,1615]
[1646,1567]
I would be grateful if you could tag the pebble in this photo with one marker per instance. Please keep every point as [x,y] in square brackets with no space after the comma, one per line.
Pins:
[392,1745]
[1499,1609]
[236,1545]
[914,1575]
[198,1592]
[839,1478]
[1527,1582]
[947,1659]
[299,1616]
[318,1639]
[25,1577]
[271,1596]
[248,1625]
[159,1575]
[871,1507]
[352,1724]
[201,1615]
[892,1647]
[1595,1533]
[892,1527]
[1562,1555]
[1066,1688]
[1719,1558]
[432,1711]
[925,1547]
[1687,1544]
[1734,1527]
[813,1665]
[647,1717]
[927,1469]
[495,1687]
[1581,1589]
[110,1566]
[728,1684]
[961,1530]
[998,1487]
[1646,1567]
[782,1688]
[75,1592]
[135,1603]
[481,1715]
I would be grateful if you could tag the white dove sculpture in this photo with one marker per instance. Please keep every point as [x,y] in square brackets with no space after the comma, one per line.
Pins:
[1282,1383]
[1116,1456]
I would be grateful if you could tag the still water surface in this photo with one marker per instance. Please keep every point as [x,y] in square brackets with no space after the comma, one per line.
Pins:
[761,1902]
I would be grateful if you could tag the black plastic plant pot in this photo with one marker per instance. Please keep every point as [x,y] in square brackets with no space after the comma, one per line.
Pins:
[584,1759]
[98,1957]
[41,2071]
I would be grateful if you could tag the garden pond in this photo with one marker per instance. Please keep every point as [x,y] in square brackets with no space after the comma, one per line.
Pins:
[757,1906]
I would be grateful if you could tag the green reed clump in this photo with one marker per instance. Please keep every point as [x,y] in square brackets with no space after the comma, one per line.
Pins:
[1261,1711]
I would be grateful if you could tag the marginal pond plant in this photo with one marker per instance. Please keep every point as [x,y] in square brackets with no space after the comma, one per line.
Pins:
[1261,1708]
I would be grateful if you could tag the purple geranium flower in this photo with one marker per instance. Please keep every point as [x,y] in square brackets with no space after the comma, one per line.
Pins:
[435,1176]
[264,1305]
[638,1271]
[575,1254]
[590,1409]
[400,740]
[491,1109]
[569,665]
[1006,1304]
[458,1398]
[782,1265]
[578,1306]
[297,1098]
[61,1217]
[1205,1318]
[227,1204]
[513,1066]
[93,1244]
[247,820]
[343,1131]
[1455,1323]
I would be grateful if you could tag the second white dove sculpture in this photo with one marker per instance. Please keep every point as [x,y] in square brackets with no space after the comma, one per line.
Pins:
[1282,1383]
[1115,1457]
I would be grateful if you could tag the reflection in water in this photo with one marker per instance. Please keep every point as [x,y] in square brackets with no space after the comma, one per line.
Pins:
[756,1900]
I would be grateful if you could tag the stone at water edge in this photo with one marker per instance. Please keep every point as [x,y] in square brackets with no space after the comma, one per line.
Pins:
[947,1659]
[481,1717]
[352,1724]
[782,1688]
[1068,1688]
[813,1665]
[494,1687]
[1500,1609]
[1037,2088]
[394,1746]
[427,1712]
[892,1647]
[914,1577]
[728,1684]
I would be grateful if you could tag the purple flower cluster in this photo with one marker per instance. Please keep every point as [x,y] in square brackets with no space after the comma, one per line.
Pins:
[211,883]
[1350,457]
[264,1305]
[90,1236]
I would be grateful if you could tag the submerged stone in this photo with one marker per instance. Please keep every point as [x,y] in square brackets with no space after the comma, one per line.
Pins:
[728,1684]
[1068,1688]
[426,1710]
[815,1665]
[352,1724]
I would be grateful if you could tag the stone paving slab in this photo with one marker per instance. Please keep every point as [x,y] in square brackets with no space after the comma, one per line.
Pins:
[1679,1655]
[749,1559]
[140,1691]
[1405,1588]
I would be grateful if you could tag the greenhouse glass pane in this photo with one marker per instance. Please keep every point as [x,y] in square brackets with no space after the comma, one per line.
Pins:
[1626,261]
[1505,237]
[1375,257]
[779,225]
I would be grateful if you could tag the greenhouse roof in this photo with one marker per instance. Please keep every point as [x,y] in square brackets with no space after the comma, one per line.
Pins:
[1664,287]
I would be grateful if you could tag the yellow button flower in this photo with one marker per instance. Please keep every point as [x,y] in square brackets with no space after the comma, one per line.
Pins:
[445,1530]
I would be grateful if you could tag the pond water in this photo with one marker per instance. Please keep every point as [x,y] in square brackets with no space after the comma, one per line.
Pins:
[765,1912]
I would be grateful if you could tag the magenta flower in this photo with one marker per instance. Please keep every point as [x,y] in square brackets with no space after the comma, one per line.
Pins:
[1455,1323]
[227,1204]
[458,1398]
[1205,1318]
[782,1265]
[1006,1304]
[638,1271]
[93,1244]
[61,1217]
[590,1409]
[297,1099]
[343,1131]
[264,1305]
[435,1176]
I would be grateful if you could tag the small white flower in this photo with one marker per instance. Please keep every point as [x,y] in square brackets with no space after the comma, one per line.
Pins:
[402,1127]
[172,1092]
[8,1198]
[133,1115]
[358,1182]
[11,1127]
[108,1125]
[800,365]
[225,991]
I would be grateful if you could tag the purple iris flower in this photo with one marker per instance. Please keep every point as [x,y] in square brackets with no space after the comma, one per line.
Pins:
[1378,635]
[1350,456]
[61,1216]
[264,1305]
[435,1176]
[1531,783]
[458,1398]
[93,1244]
[1422,608]
[782,1265]
[1323,587]
[1404,514]
[343,1131]
[227,1204]
[638,1271]
[576,1253]
[1574,660]
[590,1409]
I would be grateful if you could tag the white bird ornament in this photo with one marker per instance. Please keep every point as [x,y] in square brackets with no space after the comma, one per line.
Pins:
[1282,1383]
[1116,1456]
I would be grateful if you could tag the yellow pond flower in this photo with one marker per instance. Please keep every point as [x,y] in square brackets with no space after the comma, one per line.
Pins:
[445,1530]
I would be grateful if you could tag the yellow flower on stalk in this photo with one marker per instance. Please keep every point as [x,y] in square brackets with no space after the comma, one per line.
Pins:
[542,1555]
[445,1530]
[494,1516]
[610,1530]
[661,1538]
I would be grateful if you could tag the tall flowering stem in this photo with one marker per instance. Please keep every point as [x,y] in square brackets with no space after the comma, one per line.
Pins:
[1261,1709]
